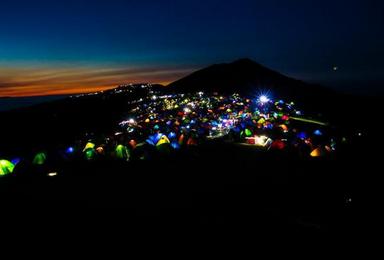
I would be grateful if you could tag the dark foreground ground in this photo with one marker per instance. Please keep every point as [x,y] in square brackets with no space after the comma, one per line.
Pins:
[219,189]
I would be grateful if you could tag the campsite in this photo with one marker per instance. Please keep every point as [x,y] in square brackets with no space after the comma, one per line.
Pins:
[197,160]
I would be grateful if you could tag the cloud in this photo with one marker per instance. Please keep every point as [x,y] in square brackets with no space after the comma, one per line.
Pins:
[39,81]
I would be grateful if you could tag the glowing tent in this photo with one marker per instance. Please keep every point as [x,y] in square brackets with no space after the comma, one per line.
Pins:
[122,152]
[261,121]
[90,154]
[317,132]
[175,145]
[284,128]
[278,145]
[154,139]
[39,158]
[89,145]
[181,139]
[261,140]
[163,140]
[191,141]
[318,152]
[100,150]
[133,143]
[6,167]
[246,133]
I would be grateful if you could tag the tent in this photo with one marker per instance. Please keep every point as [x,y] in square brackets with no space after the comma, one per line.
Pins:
[39,158]
[90,154]
[172,135]
[285,118]
[181,139]
[122,152]
[278,145]
[89,145]
[133,144]
[175,145]
[317,132]
[302,135]
[6,167]
[100,150]
[318,152]
[261,140]
[191,141]
[154,139]
[163,140]
[261,121]
[15,161]
[246,132]
[284,128]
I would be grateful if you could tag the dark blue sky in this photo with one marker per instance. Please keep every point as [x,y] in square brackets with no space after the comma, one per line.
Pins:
[304,39]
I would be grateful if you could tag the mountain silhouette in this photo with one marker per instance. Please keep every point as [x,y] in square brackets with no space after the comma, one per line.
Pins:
[247,77]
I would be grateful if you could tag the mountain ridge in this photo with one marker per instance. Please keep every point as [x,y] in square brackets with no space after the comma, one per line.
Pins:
[250,78]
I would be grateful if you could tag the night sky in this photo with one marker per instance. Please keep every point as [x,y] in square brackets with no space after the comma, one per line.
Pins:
[61,47]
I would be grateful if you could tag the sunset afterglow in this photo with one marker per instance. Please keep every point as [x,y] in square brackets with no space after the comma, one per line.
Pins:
[18,82]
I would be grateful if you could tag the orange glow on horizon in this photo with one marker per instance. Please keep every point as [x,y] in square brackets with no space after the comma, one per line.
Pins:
[26,82]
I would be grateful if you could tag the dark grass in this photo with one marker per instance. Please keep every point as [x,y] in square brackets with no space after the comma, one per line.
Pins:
[218,186]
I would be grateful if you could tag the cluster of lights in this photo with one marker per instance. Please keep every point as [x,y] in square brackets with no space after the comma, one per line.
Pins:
[221,121]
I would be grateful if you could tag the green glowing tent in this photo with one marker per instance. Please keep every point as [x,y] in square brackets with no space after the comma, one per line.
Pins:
[39,158]
[6,167]
[246,133]
[90,154]
[122,152]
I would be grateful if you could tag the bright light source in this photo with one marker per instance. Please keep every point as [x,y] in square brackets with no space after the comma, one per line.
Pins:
[263,99]
[261,140]
[131,121]
[154,97]
[187,110]
[52,174]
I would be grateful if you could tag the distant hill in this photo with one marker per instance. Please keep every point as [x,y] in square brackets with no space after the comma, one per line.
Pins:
[9,103]
[248,77]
